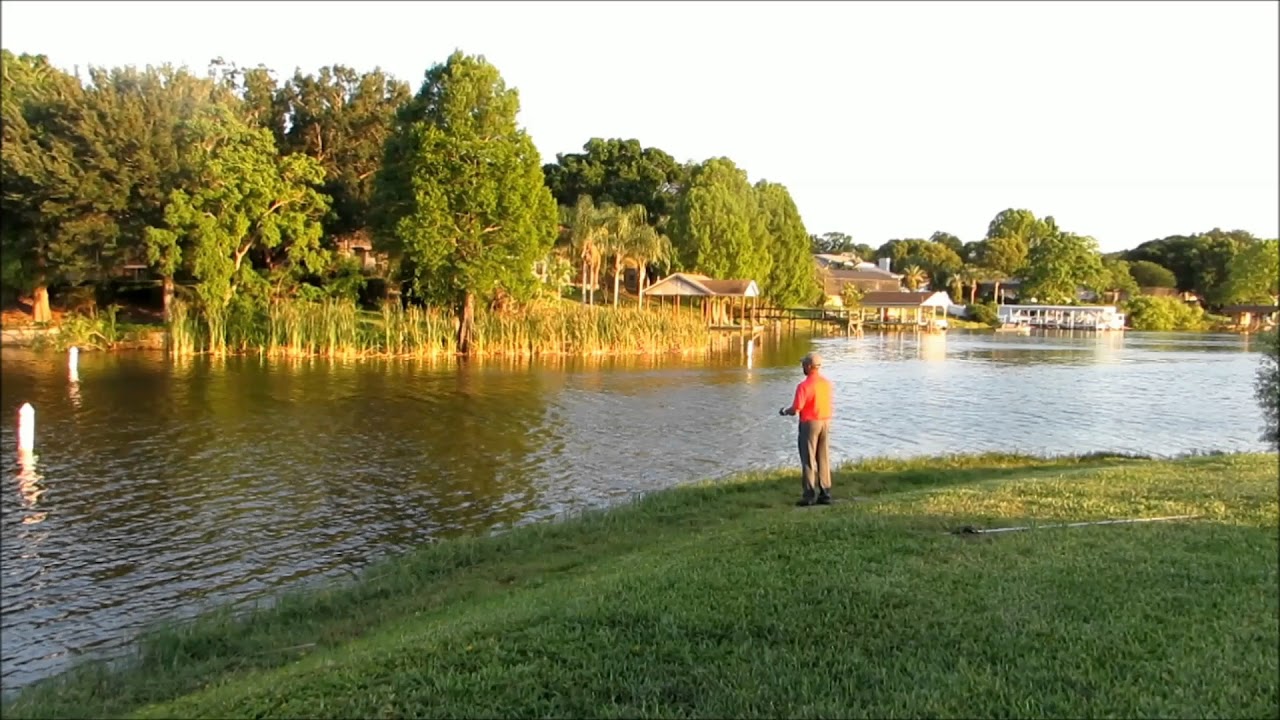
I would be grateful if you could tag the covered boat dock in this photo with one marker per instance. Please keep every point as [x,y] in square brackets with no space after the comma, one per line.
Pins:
[726,304]
[1063,317]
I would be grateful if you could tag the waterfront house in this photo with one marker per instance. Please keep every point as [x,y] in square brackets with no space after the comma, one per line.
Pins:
[1252,317]
[864,276]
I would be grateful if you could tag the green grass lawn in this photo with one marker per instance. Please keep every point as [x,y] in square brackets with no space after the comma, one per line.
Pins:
[725,600]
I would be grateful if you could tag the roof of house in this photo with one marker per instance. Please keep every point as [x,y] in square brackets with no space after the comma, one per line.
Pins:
[1070,309]
[836,258]
[690,284]
[871,273]
[730,287]
[835,286]
[833,281]
[905,299]
[858,267]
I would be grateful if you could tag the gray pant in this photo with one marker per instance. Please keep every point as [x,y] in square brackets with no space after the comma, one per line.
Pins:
[815,465]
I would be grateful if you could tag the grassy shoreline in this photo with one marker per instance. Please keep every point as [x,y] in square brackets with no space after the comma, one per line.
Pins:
[293,329]
[722,599]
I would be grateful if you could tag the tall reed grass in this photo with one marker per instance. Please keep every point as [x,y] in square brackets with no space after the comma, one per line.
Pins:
[338,329]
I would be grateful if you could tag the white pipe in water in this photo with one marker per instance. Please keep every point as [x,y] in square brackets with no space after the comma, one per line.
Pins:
[26,472]
[26,428]
[73,363]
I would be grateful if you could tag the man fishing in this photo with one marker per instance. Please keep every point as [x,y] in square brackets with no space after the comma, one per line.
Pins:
[813,404]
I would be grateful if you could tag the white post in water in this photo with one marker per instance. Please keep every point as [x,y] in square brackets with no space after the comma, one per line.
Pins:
[73,363]
[26,429]
[751,345]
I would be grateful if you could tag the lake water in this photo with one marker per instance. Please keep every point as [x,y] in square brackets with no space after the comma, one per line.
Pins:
[161,487]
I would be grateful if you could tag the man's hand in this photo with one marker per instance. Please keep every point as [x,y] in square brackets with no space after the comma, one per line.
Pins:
[783,411]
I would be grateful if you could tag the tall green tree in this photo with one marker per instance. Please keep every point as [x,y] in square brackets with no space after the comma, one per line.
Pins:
[1148,274]
[1201,262]
[260,103]
[793,278]
[342,118]
[838,242]
[1002,258]
[1010,236]
[139,116]
[245,203]
[1021,224]
[1059,265]
[716,228]
[57,213]
[619,172]
[948,240]
[833,243]
[937,261]
[970,252]
[1254,274]
[1116,278]
[461,192]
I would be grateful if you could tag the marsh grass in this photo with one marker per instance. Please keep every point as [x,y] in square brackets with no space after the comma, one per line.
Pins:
[336,329]
[723,600]
[98,330]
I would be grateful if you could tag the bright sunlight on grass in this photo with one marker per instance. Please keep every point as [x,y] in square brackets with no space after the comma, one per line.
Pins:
[724,600]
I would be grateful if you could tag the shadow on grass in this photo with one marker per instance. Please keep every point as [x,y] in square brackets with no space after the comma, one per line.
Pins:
[178,659]
[879,477]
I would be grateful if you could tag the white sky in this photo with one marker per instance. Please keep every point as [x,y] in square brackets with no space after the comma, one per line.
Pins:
[1125,121]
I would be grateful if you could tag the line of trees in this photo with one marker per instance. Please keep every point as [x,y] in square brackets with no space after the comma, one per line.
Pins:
[624,205]
[1052,264]
[238,190]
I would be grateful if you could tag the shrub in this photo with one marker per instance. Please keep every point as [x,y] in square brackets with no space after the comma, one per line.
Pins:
[984,312]
[1161,314]
[1267,386]
[851,296]
[1149,274]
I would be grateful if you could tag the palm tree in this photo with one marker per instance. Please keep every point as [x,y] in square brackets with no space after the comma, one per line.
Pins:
[956,281]
[973,276]
[625,226]
[586,232]
[650,246]
[913,277]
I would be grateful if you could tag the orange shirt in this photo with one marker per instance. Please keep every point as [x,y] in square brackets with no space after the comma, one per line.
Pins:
[813,398]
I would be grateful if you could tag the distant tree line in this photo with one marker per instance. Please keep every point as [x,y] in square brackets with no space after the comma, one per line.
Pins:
[238,189]
[1052,265]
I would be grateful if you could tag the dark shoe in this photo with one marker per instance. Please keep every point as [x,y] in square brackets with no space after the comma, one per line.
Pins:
[805,502]
[824,499]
